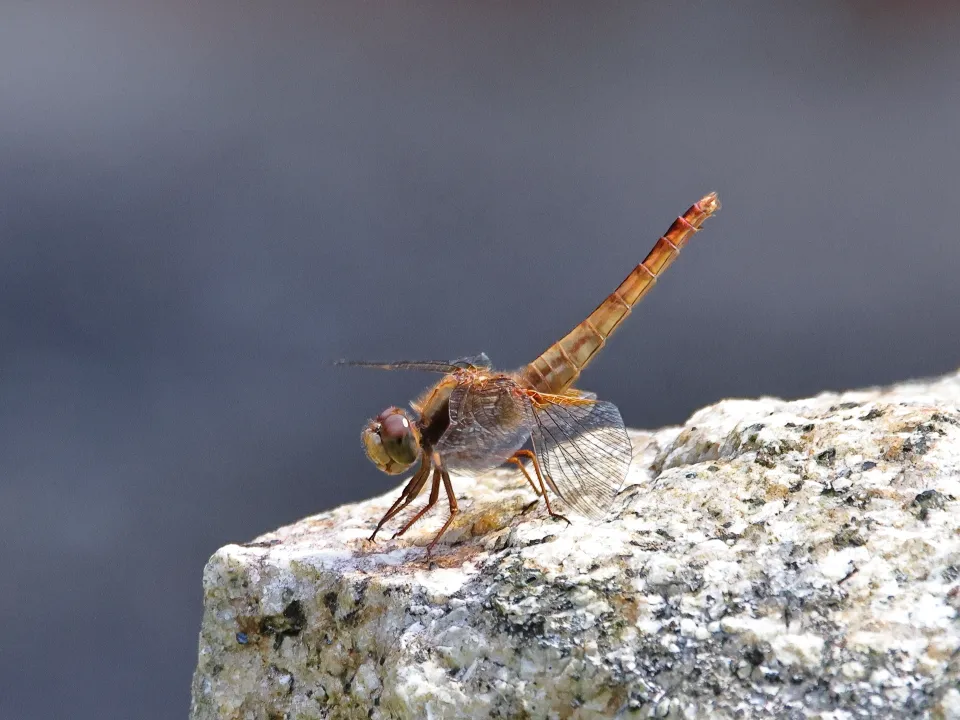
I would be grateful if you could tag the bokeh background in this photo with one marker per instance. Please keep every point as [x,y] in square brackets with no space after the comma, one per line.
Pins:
[203,204]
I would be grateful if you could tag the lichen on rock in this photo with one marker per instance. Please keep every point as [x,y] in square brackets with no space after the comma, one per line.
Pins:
[767,559]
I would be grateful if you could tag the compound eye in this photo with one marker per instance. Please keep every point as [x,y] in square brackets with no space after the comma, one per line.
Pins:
[394,426]
[391,441]
[399,436]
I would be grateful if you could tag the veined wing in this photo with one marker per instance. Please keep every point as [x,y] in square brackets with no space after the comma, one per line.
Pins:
[490,419]
[584,451]
[479,362]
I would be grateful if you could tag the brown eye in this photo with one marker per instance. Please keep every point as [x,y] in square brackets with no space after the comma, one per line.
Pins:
[398,436]
[393,426]
[391,441]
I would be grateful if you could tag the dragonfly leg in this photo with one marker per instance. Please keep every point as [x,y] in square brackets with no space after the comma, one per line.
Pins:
[543,487]
[516,461]
[434,495]
[448,486]
[410,491]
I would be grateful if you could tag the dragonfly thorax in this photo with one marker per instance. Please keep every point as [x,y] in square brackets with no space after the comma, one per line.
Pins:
[392,441]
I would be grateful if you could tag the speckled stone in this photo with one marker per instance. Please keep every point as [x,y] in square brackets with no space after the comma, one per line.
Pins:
[768,559]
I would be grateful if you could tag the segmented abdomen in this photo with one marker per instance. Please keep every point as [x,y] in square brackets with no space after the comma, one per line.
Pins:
[560,365]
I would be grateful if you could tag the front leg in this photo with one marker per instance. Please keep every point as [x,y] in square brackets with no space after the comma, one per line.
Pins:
[434,495]
[410,491]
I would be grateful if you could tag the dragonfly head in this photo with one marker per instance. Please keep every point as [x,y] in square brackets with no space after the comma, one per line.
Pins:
[392,441]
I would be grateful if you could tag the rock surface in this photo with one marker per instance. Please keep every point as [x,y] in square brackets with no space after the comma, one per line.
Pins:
[768,559]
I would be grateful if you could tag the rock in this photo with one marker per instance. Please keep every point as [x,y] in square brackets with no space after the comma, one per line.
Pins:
[768,559]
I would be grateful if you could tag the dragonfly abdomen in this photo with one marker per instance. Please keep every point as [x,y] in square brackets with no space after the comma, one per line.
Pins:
[560,365]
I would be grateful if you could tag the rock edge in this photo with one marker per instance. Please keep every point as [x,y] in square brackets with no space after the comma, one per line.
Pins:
[768,559]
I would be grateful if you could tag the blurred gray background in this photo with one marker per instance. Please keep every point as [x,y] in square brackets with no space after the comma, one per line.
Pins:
[202,204]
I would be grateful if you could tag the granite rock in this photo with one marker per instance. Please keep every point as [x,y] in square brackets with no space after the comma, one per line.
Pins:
[769,558]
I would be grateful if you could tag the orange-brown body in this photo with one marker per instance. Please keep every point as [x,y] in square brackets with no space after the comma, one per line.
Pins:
[476,418]
[560,365]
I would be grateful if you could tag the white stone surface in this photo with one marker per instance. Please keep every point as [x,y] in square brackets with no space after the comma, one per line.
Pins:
[768,559]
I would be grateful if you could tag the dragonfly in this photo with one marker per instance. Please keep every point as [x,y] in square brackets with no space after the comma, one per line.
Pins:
[476,418]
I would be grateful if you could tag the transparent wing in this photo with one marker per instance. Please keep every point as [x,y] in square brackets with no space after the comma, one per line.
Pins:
[489,421]
[584,452]
[424,365]
[481,362]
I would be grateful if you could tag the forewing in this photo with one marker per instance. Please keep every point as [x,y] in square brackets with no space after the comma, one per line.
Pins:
[584,452]
[490,419]
[478,362]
